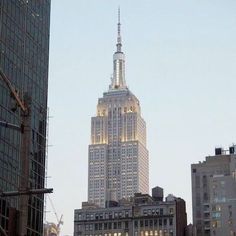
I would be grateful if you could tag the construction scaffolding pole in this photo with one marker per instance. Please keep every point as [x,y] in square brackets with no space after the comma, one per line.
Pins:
[25,161]
[10,125]
[2,231]
[26,192]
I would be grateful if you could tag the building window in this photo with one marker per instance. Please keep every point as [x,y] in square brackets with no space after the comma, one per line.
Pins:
[126,224]
[161,211]
[146,223]
[109,225]
[115,225]
[141,223]
[216,224]
[119,225]
[100,226]
[165,222]
[151,223]
[105,225]
[155,222]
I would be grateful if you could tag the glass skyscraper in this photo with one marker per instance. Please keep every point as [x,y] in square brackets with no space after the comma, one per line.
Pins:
[24,52]
[118,158]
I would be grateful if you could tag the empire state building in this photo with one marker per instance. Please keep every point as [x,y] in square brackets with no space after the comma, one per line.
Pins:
[118,164]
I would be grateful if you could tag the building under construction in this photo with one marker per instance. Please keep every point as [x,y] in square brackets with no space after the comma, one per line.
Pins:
[51,229]
[24,52]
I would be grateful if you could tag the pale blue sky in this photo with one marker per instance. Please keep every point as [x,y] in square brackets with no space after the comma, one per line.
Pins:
[180,63]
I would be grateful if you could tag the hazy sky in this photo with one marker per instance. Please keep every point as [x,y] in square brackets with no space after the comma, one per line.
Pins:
[180,63]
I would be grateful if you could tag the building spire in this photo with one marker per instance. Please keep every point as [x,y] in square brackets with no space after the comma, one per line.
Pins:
[119,44]
[118,78]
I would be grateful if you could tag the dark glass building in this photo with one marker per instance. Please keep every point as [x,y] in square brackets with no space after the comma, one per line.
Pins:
[24,52]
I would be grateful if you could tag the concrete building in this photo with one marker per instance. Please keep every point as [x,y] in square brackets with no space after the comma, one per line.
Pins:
[118,158]
[141,215]
[214,194]
[24,52]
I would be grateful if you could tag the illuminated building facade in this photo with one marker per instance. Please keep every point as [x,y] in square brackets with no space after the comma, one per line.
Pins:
[24,53]
[118,158]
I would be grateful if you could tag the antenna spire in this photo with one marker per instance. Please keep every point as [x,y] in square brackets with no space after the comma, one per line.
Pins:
[119,44]
[118,78]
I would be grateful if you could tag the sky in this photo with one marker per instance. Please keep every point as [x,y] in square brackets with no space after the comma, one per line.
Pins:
[180,63]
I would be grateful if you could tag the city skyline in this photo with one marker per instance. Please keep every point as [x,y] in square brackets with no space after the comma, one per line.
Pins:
[180,71]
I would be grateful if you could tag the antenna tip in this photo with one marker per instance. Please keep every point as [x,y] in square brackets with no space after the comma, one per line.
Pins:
[119,14]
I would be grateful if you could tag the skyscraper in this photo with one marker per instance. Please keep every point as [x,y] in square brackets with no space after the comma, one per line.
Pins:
[24,52]
[118,158]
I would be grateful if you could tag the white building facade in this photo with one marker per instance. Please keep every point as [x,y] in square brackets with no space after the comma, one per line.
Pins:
[118,158]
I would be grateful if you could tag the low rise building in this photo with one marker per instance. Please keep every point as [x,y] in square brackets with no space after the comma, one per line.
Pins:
[141,215]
